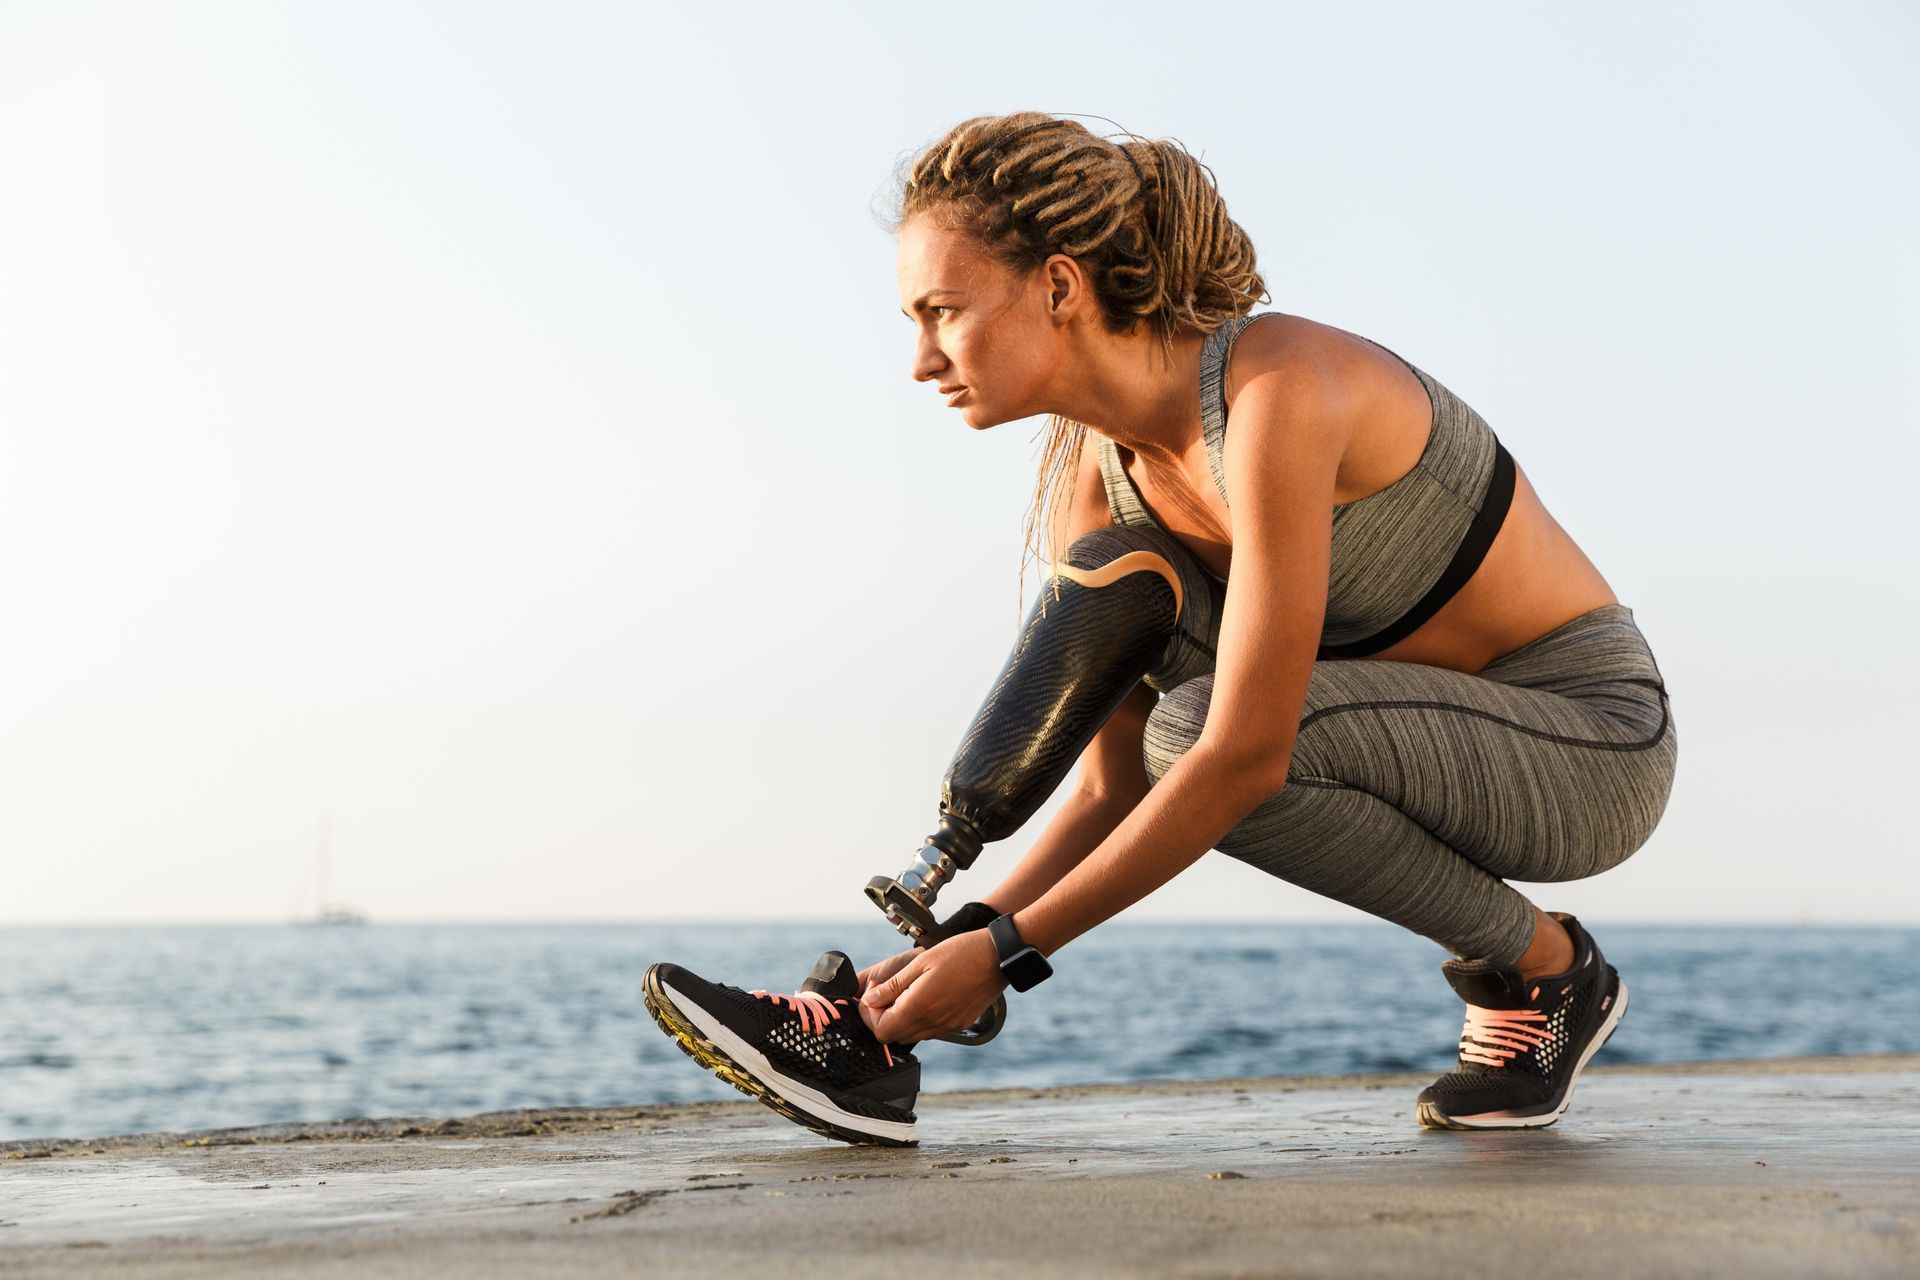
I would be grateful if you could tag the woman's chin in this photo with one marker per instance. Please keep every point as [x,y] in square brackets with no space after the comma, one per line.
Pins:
[978,417]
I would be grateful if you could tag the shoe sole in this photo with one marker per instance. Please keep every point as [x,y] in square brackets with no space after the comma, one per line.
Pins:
[1431,1117]
[709,1043]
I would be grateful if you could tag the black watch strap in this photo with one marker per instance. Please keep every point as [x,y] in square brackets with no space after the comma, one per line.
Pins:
[1022,965]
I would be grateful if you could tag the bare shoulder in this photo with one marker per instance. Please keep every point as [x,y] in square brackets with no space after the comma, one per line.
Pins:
[1295,357]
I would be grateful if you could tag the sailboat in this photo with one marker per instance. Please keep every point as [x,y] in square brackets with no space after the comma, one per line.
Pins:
[329,913]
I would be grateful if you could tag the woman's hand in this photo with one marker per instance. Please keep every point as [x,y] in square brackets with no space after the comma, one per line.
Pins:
[937,991]
[884,969]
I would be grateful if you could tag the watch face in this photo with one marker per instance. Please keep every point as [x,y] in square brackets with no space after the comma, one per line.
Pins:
[1026,970]
[1022,964]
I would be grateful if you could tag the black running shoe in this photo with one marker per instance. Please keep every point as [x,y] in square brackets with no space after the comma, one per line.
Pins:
[1525,1040]
[808,1055]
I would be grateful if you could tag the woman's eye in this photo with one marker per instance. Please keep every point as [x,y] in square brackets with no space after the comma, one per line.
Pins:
[939,310]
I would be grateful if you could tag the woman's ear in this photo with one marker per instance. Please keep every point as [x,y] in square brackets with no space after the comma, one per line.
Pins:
[1066,287]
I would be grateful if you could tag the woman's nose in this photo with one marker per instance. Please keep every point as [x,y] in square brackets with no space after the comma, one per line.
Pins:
[928,360]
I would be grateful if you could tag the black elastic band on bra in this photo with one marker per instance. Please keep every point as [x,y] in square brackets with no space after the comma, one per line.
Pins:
[1466,558]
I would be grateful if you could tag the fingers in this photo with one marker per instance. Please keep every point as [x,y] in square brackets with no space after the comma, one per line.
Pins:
[884,1023]
[881,970]
[900,1022]
[885,991]
[931,989]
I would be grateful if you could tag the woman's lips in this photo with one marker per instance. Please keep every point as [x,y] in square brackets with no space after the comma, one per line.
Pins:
[951,393]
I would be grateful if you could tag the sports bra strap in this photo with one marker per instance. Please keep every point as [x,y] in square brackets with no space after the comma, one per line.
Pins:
[1213,396]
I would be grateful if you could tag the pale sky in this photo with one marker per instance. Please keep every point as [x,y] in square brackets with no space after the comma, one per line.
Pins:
[489,427]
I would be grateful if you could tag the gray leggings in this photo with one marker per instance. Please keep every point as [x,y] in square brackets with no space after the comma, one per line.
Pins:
[1415,792]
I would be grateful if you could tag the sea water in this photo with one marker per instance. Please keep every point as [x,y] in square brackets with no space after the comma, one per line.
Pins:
[122,1030]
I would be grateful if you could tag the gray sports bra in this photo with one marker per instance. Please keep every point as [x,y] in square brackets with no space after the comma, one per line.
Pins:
[1398,554]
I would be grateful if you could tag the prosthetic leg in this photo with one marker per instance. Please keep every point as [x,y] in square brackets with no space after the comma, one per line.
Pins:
[1112,611]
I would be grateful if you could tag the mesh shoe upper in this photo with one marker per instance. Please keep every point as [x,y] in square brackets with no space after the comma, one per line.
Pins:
[1523,1037]
[816,1037]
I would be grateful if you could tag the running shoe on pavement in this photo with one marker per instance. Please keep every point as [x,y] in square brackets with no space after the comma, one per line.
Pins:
[1525,1040]
[807,1055]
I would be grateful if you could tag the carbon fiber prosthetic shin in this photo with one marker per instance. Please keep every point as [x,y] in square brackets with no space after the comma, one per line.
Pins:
[1125,603]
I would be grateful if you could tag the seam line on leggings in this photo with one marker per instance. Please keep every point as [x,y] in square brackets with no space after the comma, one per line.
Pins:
[1181,633]
[1199,644]
[1611,682]
[1324,784]
[1408,704]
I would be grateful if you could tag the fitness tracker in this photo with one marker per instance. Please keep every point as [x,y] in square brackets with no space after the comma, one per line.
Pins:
[1024,967]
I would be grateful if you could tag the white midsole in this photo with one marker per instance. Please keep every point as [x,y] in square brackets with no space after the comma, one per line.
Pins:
[809,1100]
[1499,1120]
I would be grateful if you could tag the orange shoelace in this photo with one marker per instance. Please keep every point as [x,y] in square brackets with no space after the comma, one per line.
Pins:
[1494,1036]
[815,1011]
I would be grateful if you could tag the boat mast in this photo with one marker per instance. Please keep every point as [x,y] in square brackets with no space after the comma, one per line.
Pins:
[324,846]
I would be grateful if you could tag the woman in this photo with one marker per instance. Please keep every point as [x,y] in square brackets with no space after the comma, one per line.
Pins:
[1397,681]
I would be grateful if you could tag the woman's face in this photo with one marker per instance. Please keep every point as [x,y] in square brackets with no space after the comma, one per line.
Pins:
[986,338]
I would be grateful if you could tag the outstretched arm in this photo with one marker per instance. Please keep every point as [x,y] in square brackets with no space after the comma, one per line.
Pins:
[1281,462]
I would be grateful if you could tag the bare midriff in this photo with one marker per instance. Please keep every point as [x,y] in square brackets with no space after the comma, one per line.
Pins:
[1534,577]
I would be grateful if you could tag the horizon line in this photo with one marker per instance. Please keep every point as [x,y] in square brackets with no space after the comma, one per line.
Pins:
[1801,922]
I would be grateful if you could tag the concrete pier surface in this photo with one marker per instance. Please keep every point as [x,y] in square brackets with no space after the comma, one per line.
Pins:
[1801,1167]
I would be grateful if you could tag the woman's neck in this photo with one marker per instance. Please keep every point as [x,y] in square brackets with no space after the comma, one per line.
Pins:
[1128,388]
